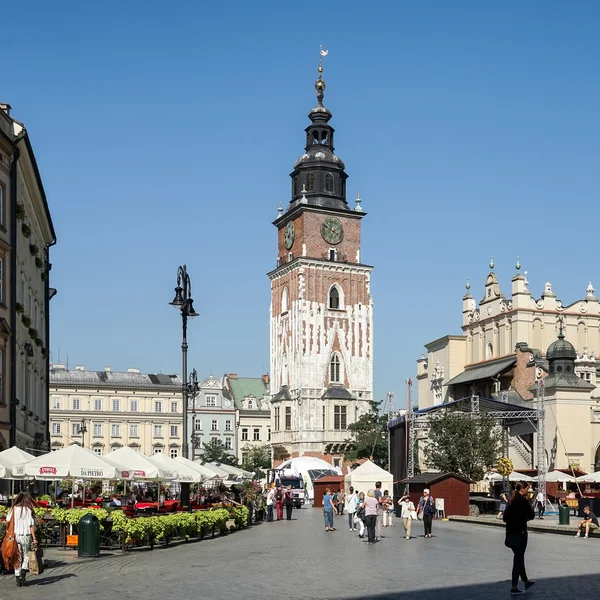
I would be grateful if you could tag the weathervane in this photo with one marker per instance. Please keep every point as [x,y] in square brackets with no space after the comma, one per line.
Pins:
[322,54]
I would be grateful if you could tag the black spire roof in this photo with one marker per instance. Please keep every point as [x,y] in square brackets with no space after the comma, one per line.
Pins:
[318,178]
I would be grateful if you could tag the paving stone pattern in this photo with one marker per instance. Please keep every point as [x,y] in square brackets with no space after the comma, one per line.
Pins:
[298,560]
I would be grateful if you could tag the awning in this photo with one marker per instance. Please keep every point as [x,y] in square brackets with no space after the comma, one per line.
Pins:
[490,369]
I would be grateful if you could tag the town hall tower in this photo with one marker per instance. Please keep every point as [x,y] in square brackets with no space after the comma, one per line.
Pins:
[321,317]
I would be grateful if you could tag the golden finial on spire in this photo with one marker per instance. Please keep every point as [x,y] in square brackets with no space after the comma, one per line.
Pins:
[320,84]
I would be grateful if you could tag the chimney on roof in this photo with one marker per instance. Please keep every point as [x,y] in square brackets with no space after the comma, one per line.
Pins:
[232,375]
[133,370]
[6,108]
[107,369]
[79,368]
[266,379]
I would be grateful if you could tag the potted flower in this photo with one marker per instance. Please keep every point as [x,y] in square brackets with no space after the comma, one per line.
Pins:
[26,320]
[25,229]
[39,263]
[33,249]
[19,308]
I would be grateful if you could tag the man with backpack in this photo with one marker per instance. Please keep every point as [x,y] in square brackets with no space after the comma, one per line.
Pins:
[279,503]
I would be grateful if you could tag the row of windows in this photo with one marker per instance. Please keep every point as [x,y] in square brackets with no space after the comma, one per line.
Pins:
[227,443]
[255,434]
[115,429]
[115,405]
[173,452]
[310,184]
[214,425]
[340,418]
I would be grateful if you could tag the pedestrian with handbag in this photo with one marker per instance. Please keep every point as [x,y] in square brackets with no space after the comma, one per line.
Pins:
[372,507]
[289,502]
[426,511]
[22,525]
[407,514]
[518,512]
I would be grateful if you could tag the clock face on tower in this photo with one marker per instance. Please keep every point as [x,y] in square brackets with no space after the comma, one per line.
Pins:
[289,235]
[332,230]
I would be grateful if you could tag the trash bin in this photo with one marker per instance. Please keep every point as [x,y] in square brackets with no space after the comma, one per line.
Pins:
[89,536]
[563,514]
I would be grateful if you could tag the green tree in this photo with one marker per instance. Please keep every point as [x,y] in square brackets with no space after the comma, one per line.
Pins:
[369,437]
[256,458]
[214,451]
[460,444]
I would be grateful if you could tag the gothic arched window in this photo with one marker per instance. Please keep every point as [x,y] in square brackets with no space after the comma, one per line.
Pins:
[334,297]
[295,186]
[329,182]
[334,369]
[310,183]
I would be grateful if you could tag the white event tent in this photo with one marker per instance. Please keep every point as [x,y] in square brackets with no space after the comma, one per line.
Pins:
[138,466]
[12,463]
[514,476]
[363,478]
[73,462]
[560,477]
[590,478]
[235,471]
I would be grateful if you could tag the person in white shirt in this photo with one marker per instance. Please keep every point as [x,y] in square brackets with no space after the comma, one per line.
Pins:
[351,502]
[270,500]
[22,516]
[541,505]
[408,513]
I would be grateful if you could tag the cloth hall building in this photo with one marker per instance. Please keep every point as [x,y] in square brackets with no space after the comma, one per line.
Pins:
[508,344]
[321,315]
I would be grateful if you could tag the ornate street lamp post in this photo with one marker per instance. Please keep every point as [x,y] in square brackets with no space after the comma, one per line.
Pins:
[184,303]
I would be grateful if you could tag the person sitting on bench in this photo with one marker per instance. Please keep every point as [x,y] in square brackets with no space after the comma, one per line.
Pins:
[588,523]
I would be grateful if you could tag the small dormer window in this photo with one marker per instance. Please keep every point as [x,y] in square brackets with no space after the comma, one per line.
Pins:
[329,182]
[250,404]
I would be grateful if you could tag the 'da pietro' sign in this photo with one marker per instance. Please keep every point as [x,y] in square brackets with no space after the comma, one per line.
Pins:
[99,473]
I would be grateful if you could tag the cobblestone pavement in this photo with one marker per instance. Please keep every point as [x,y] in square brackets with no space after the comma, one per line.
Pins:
[298,560]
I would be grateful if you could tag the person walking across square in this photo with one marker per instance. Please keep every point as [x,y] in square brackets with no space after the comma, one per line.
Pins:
[379,520]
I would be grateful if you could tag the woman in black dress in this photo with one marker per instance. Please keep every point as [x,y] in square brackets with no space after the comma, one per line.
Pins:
[518,512]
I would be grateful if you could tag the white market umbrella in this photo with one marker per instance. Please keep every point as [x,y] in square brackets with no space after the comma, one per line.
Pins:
[12,463]
[559,477]
[73,462]
[204,473]
[219,471]
[203,468]
[590,478]
[230,470]
[135,465]
[514,476]
[185,474]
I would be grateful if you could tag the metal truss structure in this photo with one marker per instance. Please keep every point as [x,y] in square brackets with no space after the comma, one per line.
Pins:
[420,421]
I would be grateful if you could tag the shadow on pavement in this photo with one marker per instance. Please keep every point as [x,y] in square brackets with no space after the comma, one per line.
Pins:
[582,587]
[49,580]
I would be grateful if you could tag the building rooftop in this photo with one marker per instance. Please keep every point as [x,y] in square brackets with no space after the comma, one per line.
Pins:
[242,387]
[112,379]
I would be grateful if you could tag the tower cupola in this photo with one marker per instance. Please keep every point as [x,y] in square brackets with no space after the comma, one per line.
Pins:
[319,174]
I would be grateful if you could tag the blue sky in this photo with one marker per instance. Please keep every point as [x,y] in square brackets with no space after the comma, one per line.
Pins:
[165,134]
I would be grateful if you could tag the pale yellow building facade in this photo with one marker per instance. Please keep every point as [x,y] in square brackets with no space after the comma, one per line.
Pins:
[106,410]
